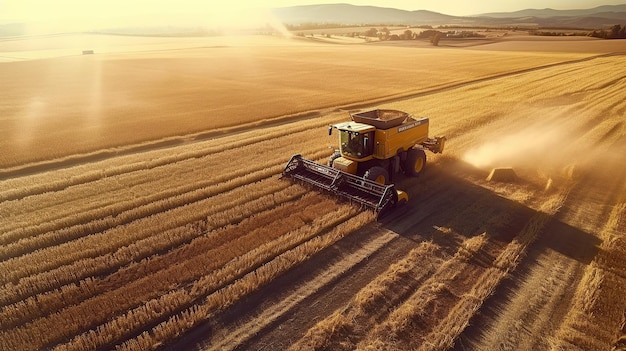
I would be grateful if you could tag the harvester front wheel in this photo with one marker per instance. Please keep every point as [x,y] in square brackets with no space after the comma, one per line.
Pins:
[377,174]
[415,162]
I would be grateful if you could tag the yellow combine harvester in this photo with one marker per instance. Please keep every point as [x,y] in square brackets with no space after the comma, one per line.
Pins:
[372,147]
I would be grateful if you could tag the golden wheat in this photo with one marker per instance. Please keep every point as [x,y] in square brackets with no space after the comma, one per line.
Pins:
[447,330]
[370,302]
[261,91]
[112,253]
[224,298]
[596,316]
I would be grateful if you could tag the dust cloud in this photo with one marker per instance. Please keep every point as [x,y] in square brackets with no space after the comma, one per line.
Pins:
[549,147]
[523,147]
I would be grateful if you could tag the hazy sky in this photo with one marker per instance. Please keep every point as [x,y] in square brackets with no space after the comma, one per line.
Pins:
[96,12]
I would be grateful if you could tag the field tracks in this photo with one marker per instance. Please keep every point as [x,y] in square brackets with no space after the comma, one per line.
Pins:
[446,332]
[597,313]
[410,297]
[135,291]
[245,330]
[370,304]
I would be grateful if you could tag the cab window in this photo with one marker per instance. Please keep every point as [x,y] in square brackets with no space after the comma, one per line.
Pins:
[357,145]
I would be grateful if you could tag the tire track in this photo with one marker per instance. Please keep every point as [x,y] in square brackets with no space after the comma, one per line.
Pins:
[276,313]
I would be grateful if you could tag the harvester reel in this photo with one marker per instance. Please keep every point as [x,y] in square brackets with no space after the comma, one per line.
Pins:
[365,192]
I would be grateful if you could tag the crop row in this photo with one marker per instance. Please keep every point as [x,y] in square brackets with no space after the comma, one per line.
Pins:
[18,188]
[224,298]
[186,298]
[179,271]
[143,187]
[77,274]
[589,323]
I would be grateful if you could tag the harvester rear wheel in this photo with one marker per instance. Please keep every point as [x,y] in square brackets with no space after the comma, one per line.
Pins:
[377,174]
[415,162]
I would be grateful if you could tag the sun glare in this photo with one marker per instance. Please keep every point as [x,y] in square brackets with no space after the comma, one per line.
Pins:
[43,17]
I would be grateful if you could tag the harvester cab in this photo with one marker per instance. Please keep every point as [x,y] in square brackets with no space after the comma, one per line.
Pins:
[356,140]
[373,146]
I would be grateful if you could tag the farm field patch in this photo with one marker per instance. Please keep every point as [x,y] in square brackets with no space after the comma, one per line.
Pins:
[199,244]
[147,95]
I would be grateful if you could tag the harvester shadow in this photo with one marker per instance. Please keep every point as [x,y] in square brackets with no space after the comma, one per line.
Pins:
[446,207]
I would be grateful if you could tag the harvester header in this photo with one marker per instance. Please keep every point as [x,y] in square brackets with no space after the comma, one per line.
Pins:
[365,192]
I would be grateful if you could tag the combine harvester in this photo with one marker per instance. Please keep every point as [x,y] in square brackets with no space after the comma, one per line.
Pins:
[372,147]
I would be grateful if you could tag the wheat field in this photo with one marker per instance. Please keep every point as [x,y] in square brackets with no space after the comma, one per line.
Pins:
[142,207]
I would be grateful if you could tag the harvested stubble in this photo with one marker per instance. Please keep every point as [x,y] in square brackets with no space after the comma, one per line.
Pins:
[371,303]
[595,316]
[443,335]
[93,311]
[338,224]
[42,303]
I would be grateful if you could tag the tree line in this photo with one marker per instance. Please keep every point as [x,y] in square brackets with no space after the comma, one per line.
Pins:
[615,32]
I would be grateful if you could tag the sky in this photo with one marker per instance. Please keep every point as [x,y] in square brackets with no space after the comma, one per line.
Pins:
[93,13]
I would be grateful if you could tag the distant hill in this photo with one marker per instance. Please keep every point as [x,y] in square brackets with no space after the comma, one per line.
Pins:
[352,14]
[346,14]
[600,11]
